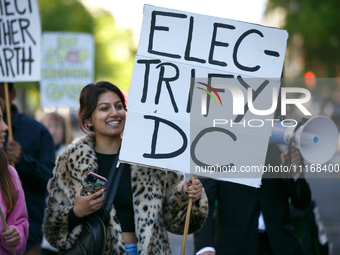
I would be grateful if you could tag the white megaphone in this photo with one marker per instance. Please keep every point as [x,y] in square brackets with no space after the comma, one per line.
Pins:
[317,139]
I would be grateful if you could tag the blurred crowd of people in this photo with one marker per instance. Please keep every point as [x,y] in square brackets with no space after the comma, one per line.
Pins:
[240,219]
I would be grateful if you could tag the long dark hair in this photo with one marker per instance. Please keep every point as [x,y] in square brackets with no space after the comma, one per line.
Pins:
[8,189]
[89,98]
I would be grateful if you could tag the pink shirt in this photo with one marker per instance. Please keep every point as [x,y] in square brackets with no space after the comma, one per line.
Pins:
[17,218]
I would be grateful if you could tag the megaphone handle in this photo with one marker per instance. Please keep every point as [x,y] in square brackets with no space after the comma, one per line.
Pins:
[290,175]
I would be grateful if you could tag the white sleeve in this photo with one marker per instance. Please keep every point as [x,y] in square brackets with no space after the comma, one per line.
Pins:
[205,249]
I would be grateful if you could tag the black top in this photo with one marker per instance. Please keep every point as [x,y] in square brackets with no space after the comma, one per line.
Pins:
[123,199]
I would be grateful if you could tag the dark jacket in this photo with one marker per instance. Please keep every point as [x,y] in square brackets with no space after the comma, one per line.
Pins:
[239,208]
[34,168]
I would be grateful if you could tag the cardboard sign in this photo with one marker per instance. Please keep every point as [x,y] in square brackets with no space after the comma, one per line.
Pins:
[67,66]
[20,35]
[180,56]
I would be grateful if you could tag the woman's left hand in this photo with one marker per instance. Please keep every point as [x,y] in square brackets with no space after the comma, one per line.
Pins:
[193,189]
[11,237]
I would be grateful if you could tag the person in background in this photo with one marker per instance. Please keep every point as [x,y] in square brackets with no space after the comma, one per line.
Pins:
[32,152]
[255,221]
[148,203]
[60,132]
[12,202]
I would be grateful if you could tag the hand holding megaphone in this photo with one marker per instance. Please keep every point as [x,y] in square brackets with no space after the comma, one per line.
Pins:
[317,138]
[294,158]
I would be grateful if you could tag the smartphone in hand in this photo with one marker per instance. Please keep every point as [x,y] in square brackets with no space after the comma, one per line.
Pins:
[92,184]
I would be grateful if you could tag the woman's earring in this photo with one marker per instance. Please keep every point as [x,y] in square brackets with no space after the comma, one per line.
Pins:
[89,126]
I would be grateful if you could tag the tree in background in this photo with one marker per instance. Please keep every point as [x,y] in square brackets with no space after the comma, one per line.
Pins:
[114,46]
[314,27]
[115,51]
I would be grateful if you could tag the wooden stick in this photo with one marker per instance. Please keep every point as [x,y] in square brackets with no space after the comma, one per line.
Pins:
[8,113]
[6,227]
[187,220]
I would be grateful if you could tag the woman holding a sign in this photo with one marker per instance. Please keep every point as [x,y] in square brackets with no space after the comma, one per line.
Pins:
[14,219]
[148,202]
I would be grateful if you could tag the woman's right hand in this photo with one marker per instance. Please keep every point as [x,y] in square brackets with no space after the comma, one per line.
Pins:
[86,205]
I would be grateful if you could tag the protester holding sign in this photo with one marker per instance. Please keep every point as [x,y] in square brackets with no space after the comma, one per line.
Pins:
[32,149]
[12,202]
[148,202]
[32,152]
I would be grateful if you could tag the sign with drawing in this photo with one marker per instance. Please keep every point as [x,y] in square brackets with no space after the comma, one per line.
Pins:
[187,65]
[67,66]
[20,35]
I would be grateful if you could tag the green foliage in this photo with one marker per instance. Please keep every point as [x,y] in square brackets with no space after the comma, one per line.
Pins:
[318,23]
[115,51]
[65,15]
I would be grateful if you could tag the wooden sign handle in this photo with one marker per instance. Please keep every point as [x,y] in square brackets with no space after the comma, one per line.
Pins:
[187,220]
[8,113]
[6,227]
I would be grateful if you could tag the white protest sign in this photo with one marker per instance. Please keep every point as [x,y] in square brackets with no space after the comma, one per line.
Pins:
[172,111]
[67,66]
[20,37]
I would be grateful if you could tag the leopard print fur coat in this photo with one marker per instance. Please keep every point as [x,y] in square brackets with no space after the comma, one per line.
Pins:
[158,201]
